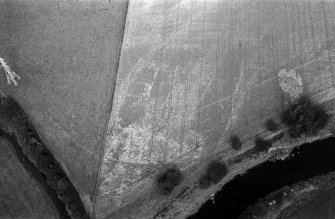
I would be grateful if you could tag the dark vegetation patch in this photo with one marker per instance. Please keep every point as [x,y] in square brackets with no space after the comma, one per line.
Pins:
[168,180]
[235,142]
[333,132]
[37,152]
[32,170]
[246,155]
[271,125]
[288,194]
[262,145]
[215,171]
[309,160]
[304,118]
[204,182]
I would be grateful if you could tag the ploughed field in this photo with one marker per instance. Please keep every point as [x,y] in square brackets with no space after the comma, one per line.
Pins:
[191,74]
[188,75]
[66,53]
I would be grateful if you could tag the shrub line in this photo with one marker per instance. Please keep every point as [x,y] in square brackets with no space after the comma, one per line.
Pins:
[37,152]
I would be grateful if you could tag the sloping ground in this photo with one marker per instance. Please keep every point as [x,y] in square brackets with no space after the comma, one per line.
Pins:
[193,72]
[309,199]
[66,53]
[20,197]
[321,208]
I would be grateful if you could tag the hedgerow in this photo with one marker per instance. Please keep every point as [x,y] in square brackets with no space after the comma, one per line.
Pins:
[38,153]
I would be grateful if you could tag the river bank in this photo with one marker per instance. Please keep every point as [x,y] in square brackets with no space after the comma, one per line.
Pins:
[309,160]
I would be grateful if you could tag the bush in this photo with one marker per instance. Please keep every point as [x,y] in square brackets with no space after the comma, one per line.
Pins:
[52,183]
[167,181]
[11,110]
[216,170]
[62,185]
[79,214]
[271,125]
[262,145]
[35,150]
[68,195]
[44,162]
[33,147]
[304,117]
[31,140]
[73,206]
[279,198]
[235,142]
[204,182]
[54,174]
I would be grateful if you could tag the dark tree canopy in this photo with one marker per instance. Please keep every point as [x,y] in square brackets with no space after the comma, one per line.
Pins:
[262,145]
[167,181]
[271,125]
[204,182]
[235,142]
[304,117]
[37,151]
[216,170]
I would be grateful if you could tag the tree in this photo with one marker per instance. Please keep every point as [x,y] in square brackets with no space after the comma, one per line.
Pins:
[62,185]
[204,182]
[168,180]
[216,170]
[44,163]
[262,145]
[304,117]
[271,125]
[235,142]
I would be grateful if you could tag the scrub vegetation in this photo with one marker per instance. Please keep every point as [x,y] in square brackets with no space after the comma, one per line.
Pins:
[14,117]
[262,145]
[271,125]
[204,182]
[169,179]
[235,142]
[304,118]
[215,172]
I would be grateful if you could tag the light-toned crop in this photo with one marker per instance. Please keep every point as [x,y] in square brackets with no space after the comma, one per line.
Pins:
[12,77]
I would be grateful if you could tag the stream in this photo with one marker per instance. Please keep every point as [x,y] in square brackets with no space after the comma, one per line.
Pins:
[309,160]
[33,172]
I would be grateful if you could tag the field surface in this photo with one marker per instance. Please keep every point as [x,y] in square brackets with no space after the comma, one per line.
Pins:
[194,72]
[66,54]
[20,196]
[187,75]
